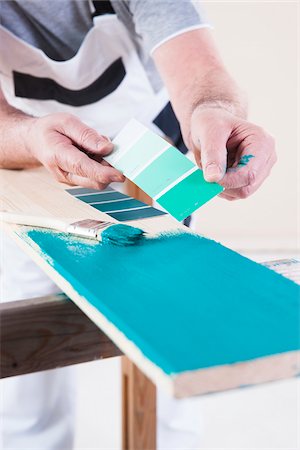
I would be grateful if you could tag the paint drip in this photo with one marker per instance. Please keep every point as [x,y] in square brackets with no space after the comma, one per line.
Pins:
[244,160]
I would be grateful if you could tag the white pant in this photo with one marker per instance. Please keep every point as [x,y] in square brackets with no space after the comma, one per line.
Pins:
[37,411]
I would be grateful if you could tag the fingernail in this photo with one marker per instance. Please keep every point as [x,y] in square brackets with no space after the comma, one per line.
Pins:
[104,138]
[213,172]
[104,142]
[118,178]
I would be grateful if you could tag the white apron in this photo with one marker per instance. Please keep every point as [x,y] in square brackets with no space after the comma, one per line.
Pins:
[104,44]
[47,422]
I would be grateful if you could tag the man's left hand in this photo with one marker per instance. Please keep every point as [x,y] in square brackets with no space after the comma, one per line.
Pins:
[231,151]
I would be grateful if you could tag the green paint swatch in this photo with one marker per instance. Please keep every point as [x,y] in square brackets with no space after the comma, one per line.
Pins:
[166,169]
[188,195]
[148,146]
[161,171]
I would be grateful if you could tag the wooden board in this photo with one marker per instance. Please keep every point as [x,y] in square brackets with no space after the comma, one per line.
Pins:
[46,333]
[189,340]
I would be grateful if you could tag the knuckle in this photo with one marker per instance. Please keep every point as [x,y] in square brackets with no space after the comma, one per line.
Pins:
[60,177]
[245,192]
[86,135]
[52,161]
[65,120]
[260,131]
[78,167]
[100,186]
[229,183]
[252,177]
[103,179]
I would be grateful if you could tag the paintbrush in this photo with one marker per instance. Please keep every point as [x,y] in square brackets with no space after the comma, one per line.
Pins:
[106,232]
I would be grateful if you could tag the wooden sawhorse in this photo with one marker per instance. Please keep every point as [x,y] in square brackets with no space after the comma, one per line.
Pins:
[52,332]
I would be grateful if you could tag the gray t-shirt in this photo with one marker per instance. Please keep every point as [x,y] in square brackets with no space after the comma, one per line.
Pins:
[58,27]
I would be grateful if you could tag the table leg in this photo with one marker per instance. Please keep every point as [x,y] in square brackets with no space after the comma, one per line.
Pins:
[139,409]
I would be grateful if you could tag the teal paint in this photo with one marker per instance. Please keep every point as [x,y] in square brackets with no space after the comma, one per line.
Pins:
[127,207]
[122,235]
[166,169]
[136,214]
[158,168]
[102,197]
[185,301]
[116,206]
[244,160]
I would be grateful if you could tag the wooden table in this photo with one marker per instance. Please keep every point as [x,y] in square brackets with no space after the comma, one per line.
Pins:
[51,332]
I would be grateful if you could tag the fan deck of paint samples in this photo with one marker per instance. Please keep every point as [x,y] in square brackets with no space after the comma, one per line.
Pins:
[160,170]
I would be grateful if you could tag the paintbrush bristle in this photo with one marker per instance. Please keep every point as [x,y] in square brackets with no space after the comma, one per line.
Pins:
[122,235]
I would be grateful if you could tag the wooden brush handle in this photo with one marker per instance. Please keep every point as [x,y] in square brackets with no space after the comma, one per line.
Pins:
[35,221]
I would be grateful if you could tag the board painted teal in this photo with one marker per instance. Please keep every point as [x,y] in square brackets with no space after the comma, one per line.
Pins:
[158,169]
[186,302]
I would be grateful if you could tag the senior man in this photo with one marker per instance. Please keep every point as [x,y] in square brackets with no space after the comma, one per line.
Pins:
[72,74]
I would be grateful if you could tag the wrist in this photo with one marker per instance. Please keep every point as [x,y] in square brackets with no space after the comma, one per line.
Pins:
[26,134]
[215,90]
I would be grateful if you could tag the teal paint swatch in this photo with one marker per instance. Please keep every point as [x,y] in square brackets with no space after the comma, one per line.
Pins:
[157,175]
[221,309]
[148,146]
[166,169]
[127,208]
[115,206]
[82,191]
[136,214]
[101,197]
[188,195]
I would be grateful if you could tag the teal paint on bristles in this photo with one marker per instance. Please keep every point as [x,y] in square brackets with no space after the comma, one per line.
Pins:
[122,235]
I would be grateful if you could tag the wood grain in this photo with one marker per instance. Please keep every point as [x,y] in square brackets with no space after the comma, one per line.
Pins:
[139,409]
[46,333]
[35,192]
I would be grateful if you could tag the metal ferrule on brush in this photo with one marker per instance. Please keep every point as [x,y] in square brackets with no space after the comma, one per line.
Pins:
[88,228]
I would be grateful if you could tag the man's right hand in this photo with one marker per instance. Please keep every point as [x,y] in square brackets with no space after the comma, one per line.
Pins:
[71,150]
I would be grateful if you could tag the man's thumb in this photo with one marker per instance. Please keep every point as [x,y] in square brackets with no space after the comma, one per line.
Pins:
[210,138]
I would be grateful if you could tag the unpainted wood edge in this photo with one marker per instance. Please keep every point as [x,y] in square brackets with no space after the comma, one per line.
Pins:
[238,375]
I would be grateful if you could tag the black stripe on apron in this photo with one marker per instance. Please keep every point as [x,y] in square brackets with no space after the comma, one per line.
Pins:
[167,122]
[31,87]
[102,7]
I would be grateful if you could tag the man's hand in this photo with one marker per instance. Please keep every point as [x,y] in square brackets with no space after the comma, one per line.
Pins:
[231,151]
[70,150]
[212,110]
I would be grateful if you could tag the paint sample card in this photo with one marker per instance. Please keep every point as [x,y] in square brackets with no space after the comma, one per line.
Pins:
[117,205]
[160,170]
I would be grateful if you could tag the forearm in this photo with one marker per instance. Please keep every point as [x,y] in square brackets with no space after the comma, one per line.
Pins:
[14,125]
[195,76]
